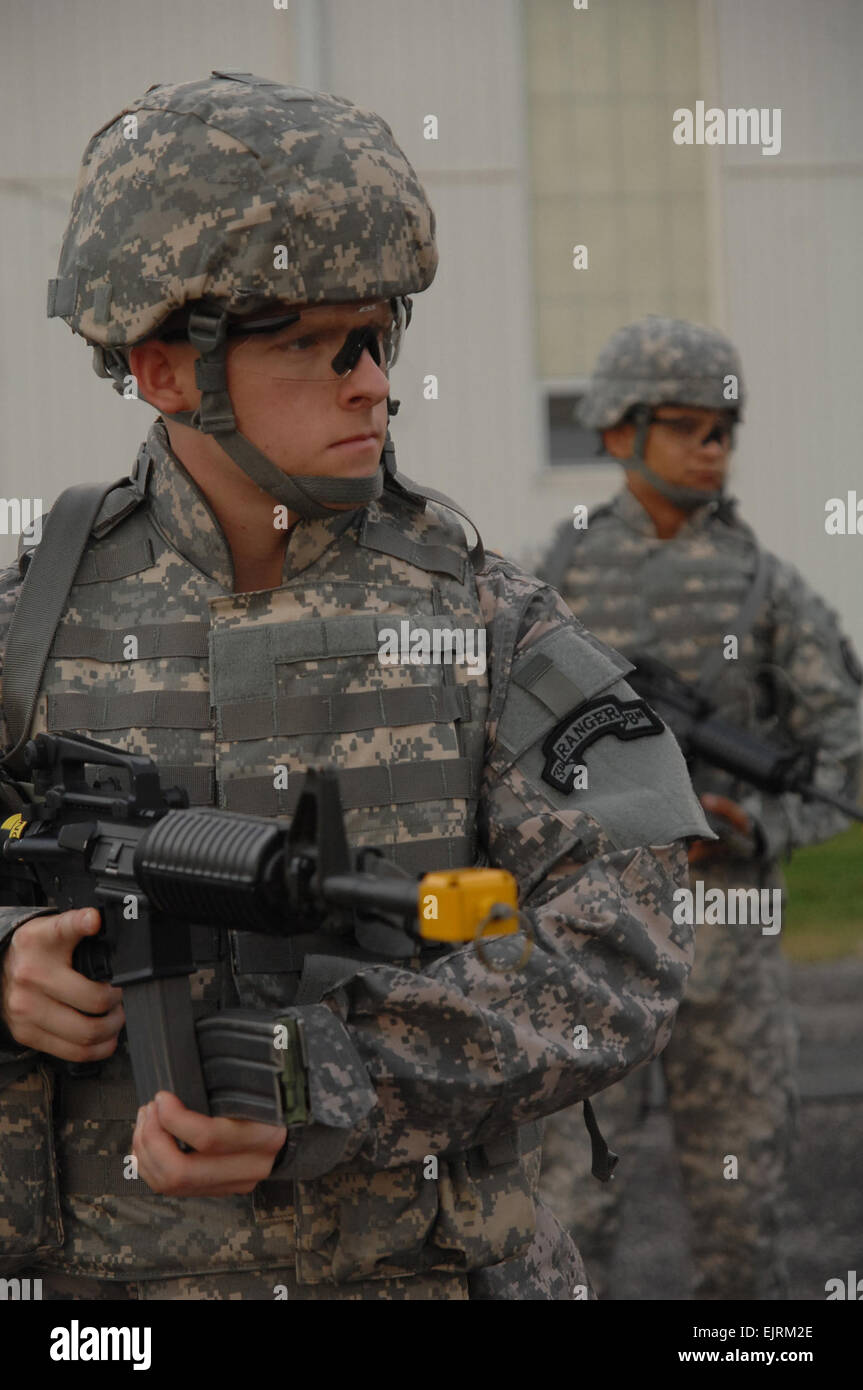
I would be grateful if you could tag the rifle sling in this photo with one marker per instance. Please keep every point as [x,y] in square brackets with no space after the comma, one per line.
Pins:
[44,593]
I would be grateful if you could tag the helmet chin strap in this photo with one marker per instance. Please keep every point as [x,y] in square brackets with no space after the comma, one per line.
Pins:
[687,498]
[308,497]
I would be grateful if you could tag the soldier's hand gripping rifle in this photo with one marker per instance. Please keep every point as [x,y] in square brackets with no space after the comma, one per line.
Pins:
[767,764]
[117,841]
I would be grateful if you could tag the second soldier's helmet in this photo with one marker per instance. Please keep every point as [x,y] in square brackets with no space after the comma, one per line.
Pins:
[661,361]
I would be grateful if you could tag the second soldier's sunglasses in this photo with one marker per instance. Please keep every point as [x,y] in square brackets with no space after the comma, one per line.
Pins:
[689,428]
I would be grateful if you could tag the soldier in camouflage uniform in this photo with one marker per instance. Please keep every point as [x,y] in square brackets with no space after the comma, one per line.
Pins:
[244,250]
[667,569]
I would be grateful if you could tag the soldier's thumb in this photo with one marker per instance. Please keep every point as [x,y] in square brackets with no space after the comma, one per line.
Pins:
[79,921]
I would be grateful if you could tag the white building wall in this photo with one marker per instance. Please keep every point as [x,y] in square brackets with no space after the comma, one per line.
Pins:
[790,246]
[461,61]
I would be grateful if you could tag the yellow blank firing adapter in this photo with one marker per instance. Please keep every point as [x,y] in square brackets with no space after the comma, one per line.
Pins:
[466,903]
[14,827]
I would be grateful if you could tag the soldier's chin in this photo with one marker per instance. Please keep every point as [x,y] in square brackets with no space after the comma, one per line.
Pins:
[702,484]
[355,468]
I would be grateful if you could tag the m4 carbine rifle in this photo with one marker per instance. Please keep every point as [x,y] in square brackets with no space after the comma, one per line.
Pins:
[767,764]
[115,840]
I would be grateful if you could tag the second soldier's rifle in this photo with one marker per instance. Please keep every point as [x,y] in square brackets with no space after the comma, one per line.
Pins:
[99,831]
[764,763]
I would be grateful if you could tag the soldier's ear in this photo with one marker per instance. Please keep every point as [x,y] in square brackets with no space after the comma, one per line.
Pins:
[618,441]
[165,375]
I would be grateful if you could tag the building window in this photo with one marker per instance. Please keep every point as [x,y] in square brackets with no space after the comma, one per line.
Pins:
[567,442]
[602,86]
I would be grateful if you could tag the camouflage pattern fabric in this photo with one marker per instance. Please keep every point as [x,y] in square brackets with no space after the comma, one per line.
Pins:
[440,1058]
[591,1211]
[30,1217]
[551,1270]
[272,1285]
[729,1074]
[662,360]
[795,678]
[729,1068]
[187,192]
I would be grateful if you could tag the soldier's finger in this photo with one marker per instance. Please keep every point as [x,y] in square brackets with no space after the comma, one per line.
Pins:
[60,1034]
[91,1030]
[67,986]
[62,932]
[57,1019]
[215,1135]
[32,970]
[167,1170]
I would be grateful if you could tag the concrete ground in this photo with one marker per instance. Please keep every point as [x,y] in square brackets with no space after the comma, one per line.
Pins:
[824,1210]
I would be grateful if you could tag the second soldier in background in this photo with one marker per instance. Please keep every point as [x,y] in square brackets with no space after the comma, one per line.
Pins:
[668,569]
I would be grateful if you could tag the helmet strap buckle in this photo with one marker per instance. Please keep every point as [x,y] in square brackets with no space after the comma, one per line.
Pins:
[213,417]
[207,331]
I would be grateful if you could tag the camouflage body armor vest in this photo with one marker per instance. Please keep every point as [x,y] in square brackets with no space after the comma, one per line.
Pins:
[676,600]
[234,695]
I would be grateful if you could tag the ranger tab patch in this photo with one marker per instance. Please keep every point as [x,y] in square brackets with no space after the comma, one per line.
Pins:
[625,719]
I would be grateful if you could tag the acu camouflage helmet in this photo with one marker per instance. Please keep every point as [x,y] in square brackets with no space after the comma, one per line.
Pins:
[233,194]
[660,361]
[188,191]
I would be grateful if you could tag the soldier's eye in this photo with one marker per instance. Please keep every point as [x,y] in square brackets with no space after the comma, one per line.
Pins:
[304,344]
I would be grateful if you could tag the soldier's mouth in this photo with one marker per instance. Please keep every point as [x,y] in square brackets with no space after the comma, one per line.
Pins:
[357,441]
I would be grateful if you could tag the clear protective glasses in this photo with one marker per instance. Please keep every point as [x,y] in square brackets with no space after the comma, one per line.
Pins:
[320,344]
[692,431]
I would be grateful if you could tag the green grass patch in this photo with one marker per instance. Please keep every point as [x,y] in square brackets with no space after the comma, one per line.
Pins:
[824,910]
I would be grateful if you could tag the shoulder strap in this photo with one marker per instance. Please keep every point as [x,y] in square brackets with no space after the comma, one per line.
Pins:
[43,597]
[419,492]
[746,616]
[558,559]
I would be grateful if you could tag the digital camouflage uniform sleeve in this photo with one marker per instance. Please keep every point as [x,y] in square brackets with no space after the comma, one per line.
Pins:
[10,917]
[403,1065]
[818,680]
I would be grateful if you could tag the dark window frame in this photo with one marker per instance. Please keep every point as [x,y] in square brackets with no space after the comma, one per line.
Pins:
[566,443]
